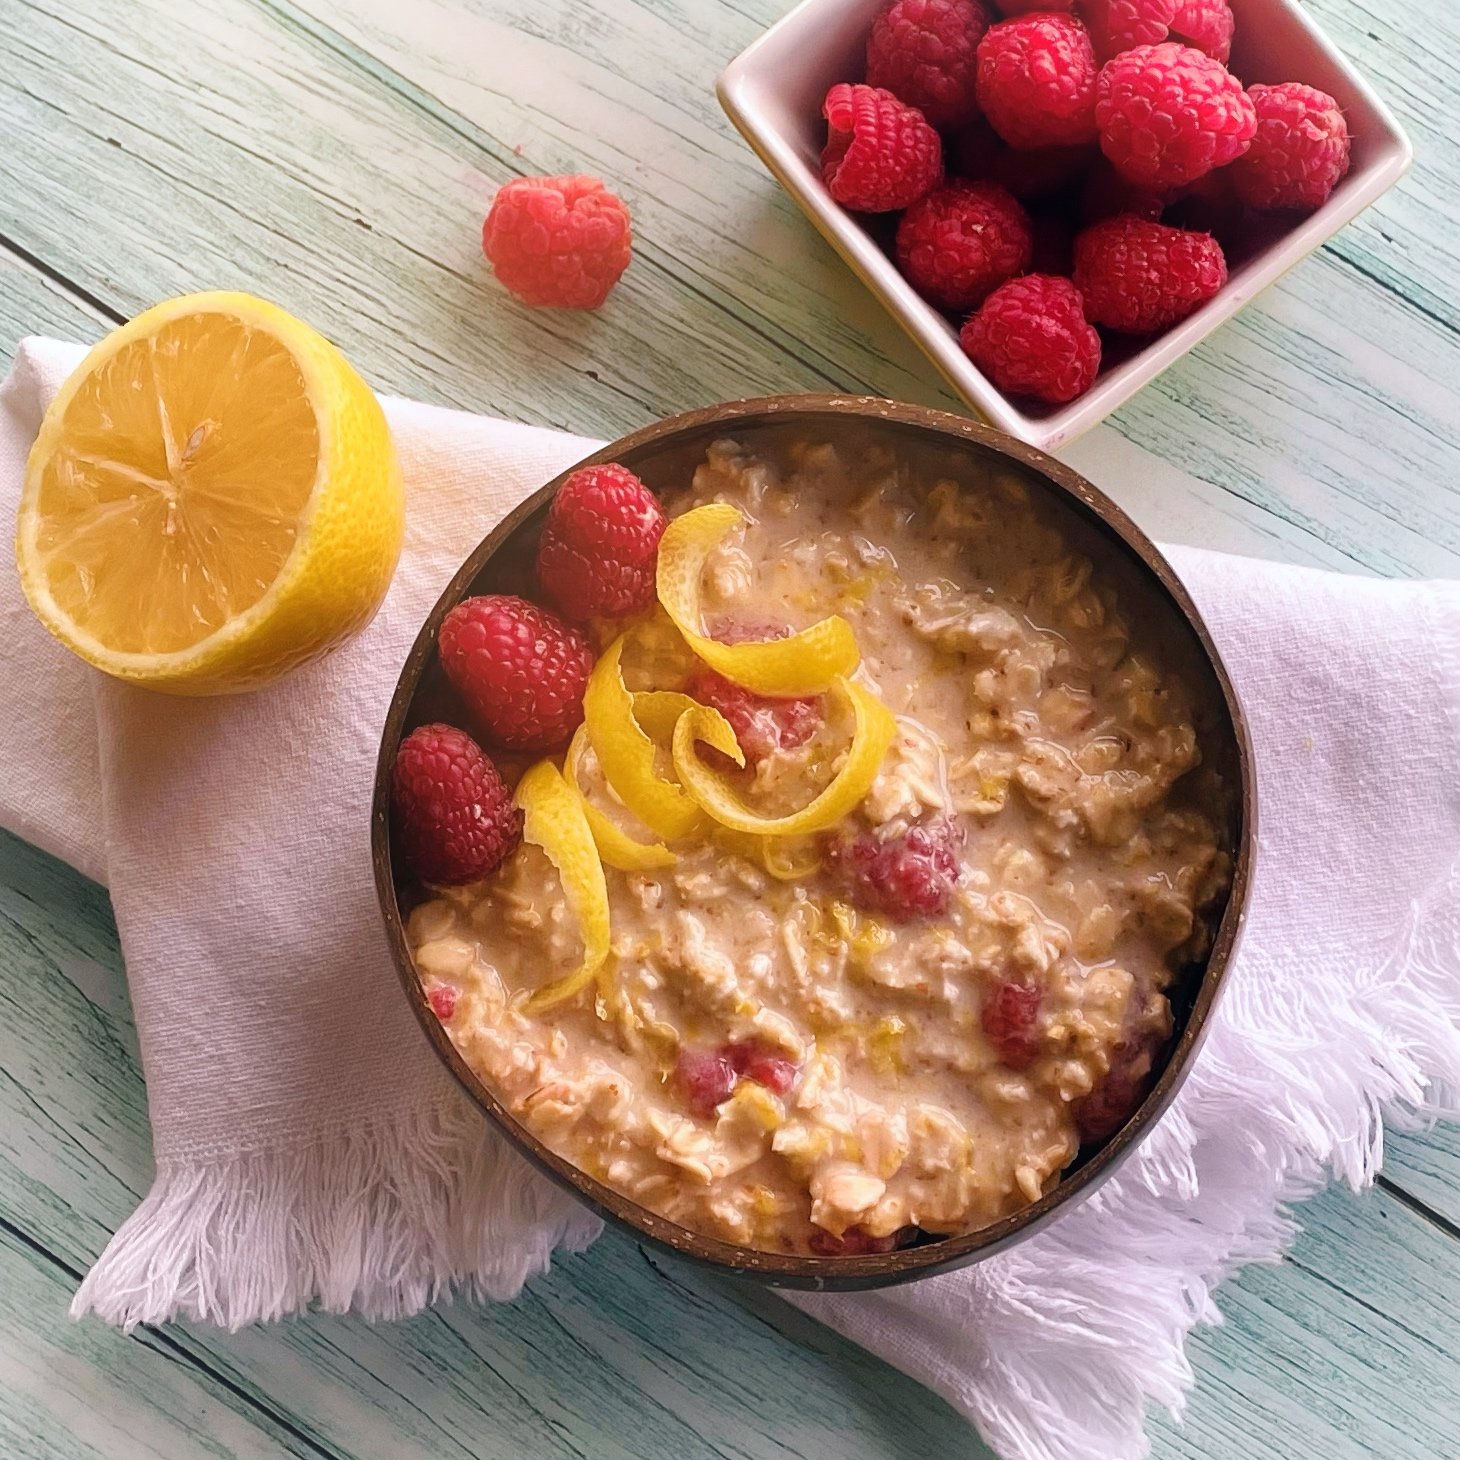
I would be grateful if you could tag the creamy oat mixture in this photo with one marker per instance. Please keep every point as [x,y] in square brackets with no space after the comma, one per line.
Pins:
[892,1072]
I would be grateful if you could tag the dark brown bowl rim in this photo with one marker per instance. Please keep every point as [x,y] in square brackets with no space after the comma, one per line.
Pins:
[778,1269]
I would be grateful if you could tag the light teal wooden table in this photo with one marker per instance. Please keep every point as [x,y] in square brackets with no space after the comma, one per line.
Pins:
[337,155]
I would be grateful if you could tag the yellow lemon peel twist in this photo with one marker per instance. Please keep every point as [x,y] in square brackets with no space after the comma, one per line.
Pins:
[806,663]
[615,846]
[627,754]
[873,731]
[553,819]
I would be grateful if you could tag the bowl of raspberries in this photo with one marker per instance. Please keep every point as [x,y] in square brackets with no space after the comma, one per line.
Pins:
[1058,198]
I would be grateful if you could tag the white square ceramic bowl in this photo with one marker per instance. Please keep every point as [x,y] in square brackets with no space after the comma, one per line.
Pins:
[773,93]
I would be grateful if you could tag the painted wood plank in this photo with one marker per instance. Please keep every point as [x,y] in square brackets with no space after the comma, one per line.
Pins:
[365,182]
[31,304]
[73,1392]
[1251,412]
[610,1357]
[1427,1168]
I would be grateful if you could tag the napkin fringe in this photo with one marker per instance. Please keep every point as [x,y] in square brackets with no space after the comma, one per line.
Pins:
[381,1220]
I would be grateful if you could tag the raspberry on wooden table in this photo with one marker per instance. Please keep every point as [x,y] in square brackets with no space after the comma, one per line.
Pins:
[1036,81]
[1032,338]
[880,155]
[925,52]
[558,242]
[1169,113]
[451,813]
[1300,152]
[905,877]
[1139,277]
[1206,24]
[1121,25]
[962,240]
[1010,1022]
[600,544]
[520,669]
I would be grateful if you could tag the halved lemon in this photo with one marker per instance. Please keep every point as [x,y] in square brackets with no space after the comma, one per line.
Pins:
[212,500]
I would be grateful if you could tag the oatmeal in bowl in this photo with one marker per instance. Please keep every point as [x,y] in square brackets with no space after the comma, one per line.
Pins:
[875,862]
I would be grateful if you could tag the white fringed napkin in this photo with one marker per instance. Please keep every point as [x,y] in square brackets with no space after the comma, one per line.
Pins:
[310,1150]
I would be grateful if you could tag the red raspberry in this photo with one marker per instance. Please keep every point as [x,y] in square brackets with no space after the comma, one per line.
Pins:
[521,670]
[1036,81]
[1120,25]
[1117,1097]
[1206,24]
[962,240]
[558,241]
[442,1000]
[855,1242]
[880,154]
[925,53]
[753,1061]
[1032,338]
[983,156]
[1300,152]
[762,724]
[705,1078]
[1168,114]
[1139,277]
[599,545]
[452,816]
[1010,1017]
[909,876]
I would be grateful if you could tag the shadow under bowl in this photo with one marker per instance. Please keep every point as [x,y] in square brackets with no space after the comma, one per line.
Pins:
[935,445]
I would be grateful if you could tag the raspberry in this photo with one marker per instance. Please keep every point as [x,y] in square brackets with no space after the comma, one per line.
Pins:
[599,545]
[1036,81]
[925,53]
[1117,1097]
[1139,277]
[1107,194]
[962,240]
[909,876]
[762,724]
[1032,338]
[983,156]
[756,1062]
[1168,114]
[521,670]
[705,1078]
[558,241]
[1120,25]
[880,154]
[856,1242]
[1009,1018]
[453,817]
[1300,152]
[442,1000]
[1206,24]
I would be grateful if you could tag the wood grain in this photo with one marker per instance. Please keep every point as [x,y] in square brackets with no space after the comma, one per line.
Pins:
[337,155]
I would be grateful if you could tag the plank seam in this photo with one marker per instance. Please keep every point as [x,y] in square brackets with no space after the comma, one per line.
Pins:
[78,292]
[175,1351]
[1419,1208]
